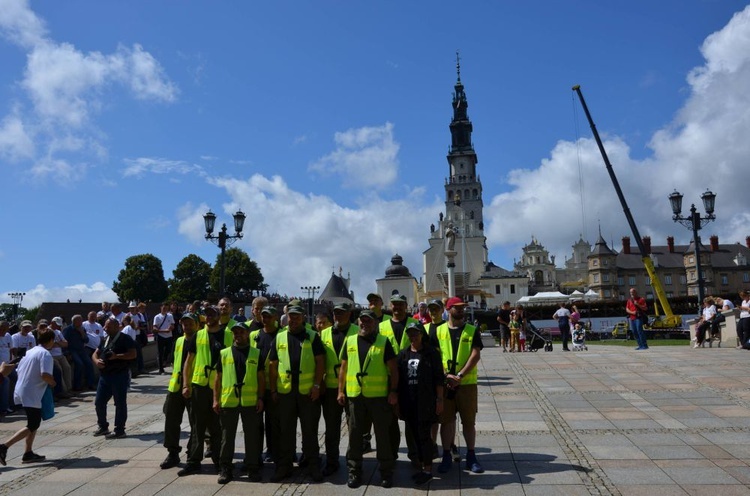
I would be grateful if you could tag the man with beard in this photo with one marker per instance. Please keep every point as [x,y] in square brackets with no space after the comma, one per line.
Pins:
[368,381]
[460,347]
[297,366]
[333,339]
[256,324]
[225,313]
[199,372]
[375,303]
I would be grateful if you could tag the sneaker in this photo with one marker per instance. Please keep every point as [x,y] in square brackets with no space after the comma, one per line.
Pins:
[101,431]
[472,464]
[190,468]
[225,476]
[354,481]
[172,460]
[696,346]
[422,477]
[31,457]
[115,435]
[446,464]
[3,454]
[267,457]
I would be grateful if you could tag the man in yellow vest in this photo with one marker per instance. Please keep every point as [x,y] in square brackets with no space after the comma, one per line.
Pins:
[263,340]
[393,329]
[297,366]
[333,339]
[375,302]
[460,348]
[368,381]
[238,393]
[225,313]
[175,403]
[199,372]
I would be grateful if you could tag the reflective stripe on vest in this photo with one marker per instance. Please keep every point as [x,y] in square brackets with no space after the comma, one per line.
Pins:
[203,372]
[386,329]
[370,380]
[175,382]
[266,363]
[464,351]
[333,361]
[306,370]
[234,393]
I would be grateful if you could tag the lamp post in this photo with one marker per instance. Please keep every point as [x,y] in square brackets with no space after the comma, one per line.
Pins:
[695,222]
[17,300]
[223,239]
[311,290]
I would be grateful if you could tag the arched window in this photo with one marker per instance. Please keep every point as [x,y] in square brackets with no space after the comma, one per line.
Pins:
[539,277]
[475,193]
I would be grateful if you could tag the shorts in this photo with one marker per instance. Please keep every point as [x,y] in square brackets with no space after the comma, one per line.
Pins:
[465,403]
[504,332]
[515,333]
[33,418]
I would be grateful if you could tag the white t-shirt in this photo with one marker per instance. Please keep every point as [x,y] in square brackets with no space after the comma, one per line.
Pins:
[728,304]
[744,313]
[6,343]
[56,351]
[129,331]
[562,312]
[119,316]
[162,324]
[95,331]
[30,386]
[709,312]
[20,341]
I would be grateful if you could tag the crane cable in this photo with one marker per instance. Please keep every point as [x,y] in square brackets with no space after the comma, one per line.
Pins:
[580,166]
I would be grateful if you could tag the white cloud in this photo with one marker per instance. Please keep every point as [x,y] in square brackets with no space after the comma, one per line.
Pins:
[365,157]
[66,88]
[705,146]
[97,292]
[139,166]
[297,237]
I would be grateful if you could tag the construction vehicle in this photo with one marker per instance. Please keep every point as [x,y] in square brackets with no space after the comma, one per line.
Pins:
[665,322]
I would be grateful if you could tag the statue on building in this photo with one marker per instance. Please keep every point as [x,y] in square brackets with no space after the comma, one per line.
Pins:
[432,228]
[450,238]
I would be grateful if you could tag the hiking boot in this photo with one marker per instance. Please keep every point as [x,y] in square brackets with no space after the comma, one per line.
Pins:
[172,460]
[31,457]
[225,476]
[446,464]
[101,431]
[189,469]
[354,481]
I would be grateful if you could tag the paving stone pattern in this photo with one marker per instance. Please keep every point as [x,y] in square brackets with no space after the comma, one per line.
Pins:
[610,421]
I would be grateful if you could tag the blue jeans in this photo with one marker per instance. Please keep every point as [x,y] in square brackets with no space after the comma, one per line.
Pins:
[82,365]
[636,327]
[114,385]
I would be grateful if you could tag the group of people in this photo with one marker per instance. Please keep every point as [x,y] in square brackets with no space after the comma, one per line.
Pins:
[513,327]
[712,317]
[370,371]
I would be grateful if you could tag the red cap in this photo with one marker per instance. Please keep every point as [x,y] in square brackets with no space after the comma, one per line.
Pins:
[454,302]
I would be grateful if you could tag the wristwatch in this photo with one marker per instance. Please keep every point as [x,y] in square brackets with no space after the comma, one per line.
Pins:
[460,375]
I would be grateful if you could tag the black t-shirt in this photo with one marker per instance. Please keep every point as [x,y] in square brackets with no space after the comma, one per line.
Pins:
[295,341]
[432,334]
[119,344]
[504,316]
[240,359]
[215,344]
[253,325]
[264,341]
[338,336]
[419,373]
[455,334]
[363,345]
[398,329]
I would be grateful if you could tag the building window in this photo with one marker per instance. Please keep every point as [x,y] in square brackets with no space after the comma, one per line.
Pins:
[648,281]
[620,281]
[512,289]
[605,277]
[649,296]
[724,280]
[606,262]
[596,278]
[607,293]
[668,279]
[631,280]
[683,279]
[746,277]
[669,294]
[691,259]
[497,289]
[692,275]
[595,263]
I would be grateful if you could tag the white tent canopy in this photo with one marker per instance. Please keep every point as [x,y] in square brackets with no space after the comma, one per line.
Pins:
[544,298]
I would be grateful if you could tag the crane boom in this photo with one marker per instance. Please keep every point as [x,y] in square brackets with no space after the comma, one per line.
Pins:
[669,320]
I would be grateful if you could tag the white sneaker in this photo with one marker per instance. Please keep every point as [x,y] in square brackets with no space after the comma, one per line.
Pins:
[696,346]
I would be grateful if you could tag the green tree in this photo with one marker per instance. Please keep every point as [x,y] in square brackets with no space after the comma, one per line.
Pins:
[190,279]
[241,273]
[142,279]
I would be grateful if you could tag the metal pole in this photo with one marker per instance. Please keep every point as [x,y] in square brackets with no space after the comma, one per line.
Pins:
[695,217]
[223,246]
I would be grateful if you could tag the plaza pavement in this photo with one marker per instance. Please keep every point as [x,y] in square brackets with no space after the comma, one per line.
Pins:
[612,420]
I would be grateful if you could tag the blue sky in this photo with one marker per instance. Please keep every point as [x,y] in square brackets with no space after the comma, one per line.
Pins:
[121,123]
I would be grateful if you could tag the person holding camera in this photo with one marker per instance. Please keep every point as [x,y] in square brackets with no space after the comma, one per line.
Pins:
[636,308]
[113,358]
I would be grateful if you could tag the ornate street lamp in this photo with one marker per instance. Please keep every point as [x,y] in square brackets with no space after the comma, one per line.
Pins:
[311,290]
[695,222]
[17,300]
[223,239]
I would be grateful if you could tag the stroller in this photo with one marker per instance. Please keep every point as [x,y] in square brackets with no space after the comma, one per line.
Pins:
[535,340]
[579,338]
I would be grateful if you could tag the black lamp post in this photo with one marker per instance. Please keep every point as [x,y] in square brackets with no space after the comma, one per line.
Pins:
[311,290]
[17,300]
[695,222]
[223,239]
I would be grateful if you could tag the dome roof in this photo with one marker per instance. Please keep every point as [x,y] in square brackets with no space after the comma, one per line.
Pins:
[397,268]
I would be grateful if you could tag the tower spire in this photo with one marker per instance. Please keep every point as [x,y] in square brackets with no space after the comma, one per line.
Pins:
[458,65]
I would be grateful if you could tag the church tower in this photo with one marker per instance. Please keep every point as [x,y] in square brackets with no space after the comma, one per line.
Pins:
[463,212]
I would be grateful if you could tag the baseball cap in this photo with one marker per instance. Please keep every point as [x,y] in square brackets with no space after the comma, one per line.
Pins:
[42,322]
[374,296]
[369,314]
[240,325]
[58,321]
[295,309]
[435,303]
[190,316]
[27,323]
[415,327]
[211,309]
[343,306]
[269,310]
[454,302]
[398,297]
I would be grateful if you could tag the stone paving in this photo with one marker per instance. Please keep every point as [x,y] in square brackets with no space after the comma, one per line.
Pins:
[667,421]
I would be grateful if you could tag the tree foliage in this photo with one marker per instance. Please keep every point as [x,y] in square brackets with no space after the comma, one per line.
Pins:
[190,279]
[241,273]
[142,279]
